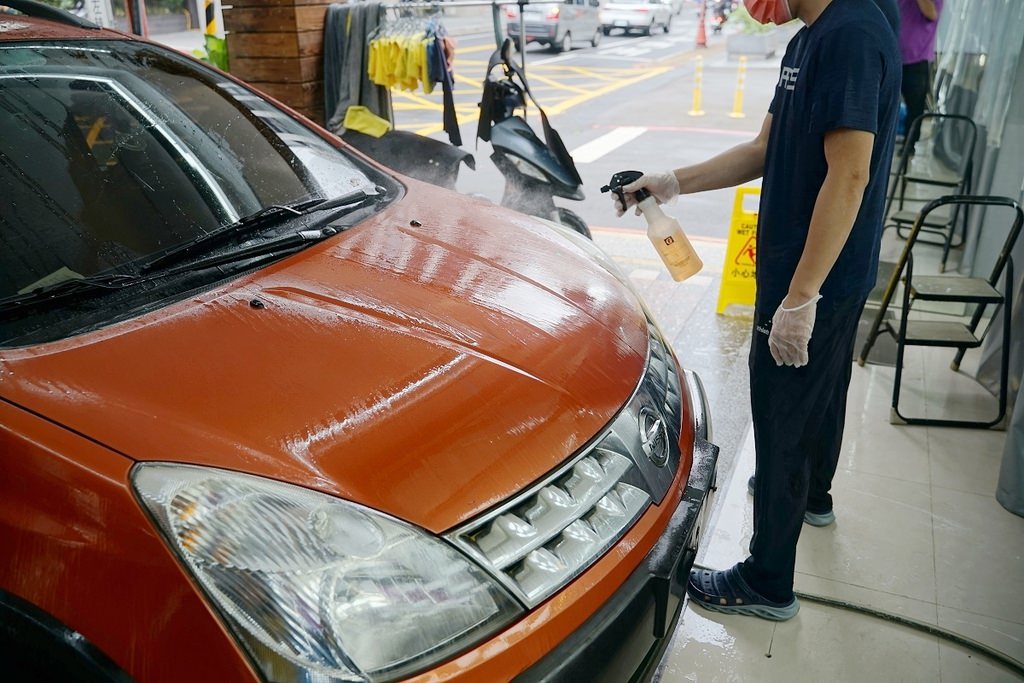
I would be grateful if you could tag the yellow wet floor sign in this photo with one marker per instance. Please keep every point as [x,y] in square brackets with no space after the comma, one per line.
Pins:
[740,265]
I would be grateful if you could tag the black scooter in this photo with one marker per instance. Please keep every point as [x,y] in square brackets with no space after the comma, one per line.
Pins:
[535,171]
[721,13]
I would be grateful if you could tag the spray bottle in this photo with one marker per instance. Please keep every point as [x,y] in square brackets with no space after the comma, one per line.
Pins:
[664,231]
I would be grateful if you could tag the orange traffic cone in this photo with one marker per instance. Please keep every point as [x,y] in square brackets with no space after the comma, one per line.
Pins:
[702,36]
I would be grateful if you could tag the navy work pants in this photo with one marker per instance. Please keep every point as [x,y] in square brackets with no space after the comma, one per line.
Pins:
[916,84]
[798,416]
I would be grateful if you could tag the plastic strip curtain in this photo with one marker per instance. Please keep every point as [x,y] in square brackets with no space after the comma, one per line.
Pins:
[979,45]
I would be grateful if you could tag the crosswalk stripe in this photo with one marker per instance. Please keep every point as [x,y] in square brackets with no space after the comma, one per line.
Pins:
[595,149]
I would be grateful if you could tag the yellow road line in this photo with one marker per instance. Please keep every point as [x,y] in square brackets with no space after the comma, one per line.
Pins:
[566,105]
[416,97]
[475,82]
[544,79]
[581,95]
[475,48]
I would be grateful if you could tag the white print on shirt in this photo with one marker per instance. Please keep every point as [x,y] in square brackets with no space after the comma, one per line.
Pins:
[788,78]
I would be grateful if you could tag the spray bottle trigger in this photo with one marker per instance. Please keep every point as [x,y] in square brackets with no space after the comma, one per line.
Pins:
[621,179]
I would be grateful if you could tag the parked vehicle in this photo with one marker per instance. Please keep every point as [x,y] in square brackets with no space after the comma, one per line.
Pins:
[272,412]
[642,16]
[535,171]
[560,26]
[719,14]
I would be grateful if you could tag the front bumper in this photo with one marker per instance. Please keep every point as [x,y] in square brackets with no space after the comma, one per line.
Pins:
[613,19]
[534,31]
[626,639]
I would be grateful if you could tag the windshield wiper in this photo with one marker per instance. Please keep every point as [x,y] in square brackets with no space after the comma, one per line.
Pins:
[68,289]
[83,286]
[275,247]
[270,215]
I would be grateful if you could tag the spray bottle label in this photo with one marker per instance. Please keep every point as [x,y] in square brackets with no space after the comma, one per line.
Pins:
[674,253]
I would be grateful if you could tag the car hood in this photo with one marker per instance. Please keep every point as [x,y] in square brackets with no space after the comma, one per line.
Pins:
[428,363]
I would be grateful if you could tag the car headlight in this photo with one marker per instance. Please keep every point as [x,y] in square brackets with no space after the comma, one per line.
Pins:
[316,587]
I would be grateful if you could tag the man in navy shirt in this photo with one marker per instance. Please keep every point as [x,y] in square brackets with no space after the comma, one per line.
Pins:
[824,151]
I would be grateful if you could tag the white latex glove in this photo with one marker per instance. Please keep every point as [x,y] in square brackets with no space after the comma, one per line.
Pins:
[663,186]
[791,332]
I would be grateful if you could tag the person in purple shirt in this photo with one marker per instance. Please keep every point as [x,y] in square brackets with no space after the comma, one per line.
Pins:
[918,21]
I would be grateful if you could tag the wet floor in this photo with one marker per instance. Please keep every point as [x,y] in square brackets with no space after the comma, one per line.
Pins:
[918,533]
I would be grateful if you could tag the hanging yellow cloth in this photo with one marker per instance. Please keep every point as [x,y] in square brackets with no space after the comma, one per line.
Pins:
[358,117]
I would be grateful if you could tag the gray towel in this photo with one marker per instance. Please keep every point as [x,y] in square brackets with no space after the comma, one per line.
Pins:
[346,58]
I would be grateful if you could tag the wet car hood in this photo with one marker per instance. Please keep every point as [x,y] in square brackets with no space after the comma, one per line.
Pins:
[428,363]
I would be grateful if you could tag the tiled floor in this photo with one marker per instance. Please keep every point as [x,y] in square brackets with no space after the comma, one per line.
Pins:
[919,532]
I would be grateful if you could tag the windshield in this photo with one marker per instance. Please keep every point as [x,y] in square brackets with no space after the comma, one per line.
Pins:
[112,152]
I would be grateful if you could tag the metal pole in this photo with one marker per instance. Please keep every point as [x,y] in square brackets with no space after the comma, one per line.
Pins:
[496,21]
[136,10]
[522,35]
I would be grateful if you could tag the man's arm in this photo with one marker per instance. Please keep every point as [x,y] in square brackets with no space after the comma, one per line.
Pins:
[928,9]
[848,154]
[737,165]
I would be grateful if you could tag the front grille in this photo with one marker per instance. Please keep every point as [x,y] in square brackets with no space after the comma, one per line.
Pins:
[539,541]
[549,536]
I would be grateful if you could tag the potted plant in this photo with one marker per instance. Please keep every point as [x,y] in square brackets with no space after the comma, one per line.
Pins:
[750,37]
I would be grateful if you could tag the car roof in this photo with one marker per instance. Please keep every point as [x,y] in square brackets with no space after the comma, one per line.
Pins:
[20,27]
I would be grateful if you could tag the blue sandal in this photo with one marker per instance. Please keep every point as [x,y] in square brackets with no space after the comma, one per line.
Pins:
[727,592]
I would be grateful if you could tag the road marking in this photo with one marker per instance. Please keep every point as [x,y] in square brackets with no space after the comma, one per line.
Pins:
[555,84]
[474,48]
[689,129]
[565,105]
[595,149]
[612,78]
[553,60]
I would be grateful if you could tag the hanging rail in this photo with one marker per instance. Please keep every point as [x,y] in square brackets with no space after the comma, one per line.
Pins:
[495,5]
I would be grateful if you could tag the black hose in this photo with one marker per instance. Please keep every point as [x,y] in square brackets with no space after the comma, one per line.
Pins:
[1002,658]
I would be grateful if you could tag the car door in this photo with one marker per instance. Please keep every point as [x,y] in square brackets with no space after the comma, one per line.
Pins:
[590,19]
[573,20]
[662,12]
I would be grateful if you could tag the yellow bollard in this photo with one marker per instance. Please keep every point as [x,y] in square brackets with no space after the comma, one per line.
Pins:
[210,13]
[698,74]
[737,102]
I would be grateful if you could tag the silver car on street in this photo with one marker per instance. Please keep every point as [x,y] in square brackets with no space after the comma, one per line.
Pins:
[559,25]
[642,16]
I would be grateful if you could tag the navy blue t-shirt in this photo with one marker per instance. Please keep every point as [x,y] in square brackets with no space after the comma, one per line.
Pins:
[843,71]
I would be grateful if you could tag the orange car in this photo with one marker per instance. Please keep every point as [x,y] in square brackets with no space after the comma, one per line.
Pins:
[270,412]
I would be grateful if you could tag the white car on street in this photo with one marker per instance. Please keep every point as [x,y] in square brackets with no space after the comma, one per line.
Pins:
[643,16]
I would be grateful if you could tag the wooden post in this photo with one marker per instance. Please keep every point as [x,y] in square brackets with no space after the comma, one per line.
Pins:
[277,46]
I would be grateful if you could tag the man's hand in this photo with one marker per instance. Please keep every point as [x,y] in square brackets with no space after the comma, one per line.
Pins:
[791,332]
[663,186]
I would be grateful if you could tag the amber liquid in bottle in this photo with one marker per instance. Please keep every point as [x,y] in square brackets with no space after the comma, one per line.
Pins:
[670,242]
